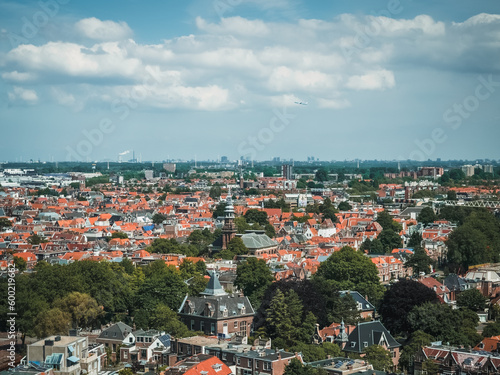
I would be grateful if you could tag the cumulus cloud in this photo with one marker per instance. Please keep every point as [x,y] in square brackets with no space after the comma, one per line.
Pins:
[26,95]
[16,76]
[237,61]
[379,80]
[96,29]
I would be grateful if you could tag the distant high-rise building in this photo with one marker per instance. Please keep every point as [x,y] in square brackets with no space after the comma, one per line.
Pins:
[488,169]
[287,171]
[468,170]
[148,174]
[169,167]
[224,159]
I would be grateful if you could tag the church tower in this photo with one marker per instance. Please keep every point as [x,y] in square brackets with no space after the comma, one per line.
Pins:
[229,228]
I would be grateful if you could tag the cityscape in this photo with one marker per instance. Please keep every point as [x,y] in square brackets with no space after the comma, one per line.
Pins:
[249,187]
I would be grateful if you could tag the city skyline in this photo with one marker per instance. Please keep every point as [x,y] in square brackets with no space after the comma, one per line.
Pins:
[386,80]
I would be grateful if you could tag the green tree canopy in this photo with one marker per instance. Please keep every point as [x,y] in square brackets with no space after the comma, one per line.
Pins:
[471,299]
[390,240]
[399,300]
[426,216]
[4,223]
[81,307]
[158,218]
[120,235]
[379,357]
[348,269]
[417,340]
[457,327]
[52,322]
[20,264]
[165,319]
[344,206]
[419,261]
[253,277]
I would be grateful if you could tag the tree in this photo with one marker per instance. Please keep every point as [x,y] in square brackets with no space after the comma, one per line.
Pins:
[165,319]
[491,329]
[418,340]
[52,322]
[219,210]
[430,367]
[419,261]
[20,263]
[237,247]
[119,235]
[348,269]
[256,216]
[162,285]
[390,240]
[471,299]
[344,206]
[476,241]
[215,192]
[158,218]
[451,195]
[379,357]
[385,220]
[399,300]
[126,371]
[427,216]
[4,223]
[457,174]
[253,277]
[415,240]
[284,322]
[35,239]
[445,324]
[321,175]
[81,307]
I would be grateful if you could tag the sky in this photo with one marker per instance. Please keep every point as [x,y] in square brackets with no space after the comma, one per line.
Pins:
[340,79]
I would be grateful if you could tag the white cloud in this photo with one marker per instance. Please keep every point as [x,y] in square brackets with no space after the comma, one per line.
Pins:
[18,76]
[283,78]
[96,29]
[378,80]
[234,25]
[237,62]
[19,93]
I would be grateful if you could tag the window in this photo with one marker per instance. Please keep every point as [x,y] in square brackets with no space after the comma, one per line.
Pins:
[224,356]
[114,334]
[212,328]
[238,361]
[144,353]
[365,344]
[202,326]
[353,344]
[235,324]
[192,324]
[267,366]
[125,354]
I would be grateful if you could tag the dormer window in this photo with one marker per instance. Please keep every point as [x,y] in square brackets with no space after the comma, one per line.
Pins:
[217,367]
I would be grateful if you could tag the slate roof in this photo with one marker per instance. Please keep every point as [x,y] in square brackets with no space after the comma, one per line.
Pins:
[370,333]
[267,354]
[359,299]
[213,287]
[217,306]
[454,282]
[118,328]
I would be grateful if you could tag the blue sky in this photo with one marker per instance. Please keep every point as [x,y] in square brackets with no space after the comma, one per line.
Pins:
[178,79]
